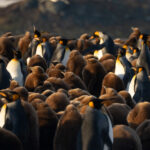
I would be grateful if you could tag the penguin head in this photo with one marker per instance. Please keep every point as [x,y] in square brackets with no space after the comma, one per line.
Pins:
[17,54]
[9,95]
[63,41]
[121,52]
[95,103]
[37,34]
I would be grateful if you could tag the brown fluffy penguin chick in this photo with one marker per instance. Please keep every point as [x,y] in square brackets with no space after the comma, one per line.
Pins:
[74,93]
[125,138]
[138,114]
[133,37]
[47,93]
[24,42]
[37,60]
[68,129]
[113,81]
[74,81]
[35,78]
[109,65]
[58,83]
[84,36]
[13,84]
[23,92]
[46,86]
[93,74]
[33,96]
[76,63]
[143,132]
[88,56]
[6,48]
[9,140]
[111,96]
[119,113]
[55,73]
[107,56]
[129,101]
[57,101]
[47,125]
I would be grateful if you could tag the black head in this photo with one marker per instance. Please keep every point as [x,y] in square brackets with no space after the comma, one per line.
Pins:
[95,103]
[9,95]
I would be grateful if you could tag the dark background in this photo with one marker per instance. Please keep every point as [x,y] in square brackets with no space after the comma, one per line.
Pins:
[73,17]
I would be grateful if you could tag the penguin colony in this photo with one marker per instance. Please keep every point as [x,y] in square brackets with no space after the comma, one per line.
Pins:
[89,93]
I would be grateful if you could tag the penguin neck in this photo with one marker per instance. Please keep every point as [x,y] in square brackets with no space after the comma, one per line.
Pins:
[119,68]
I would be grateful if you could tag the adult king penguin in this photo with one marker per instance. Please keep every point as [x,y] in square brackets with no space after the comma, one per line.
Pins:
[140,85]
[96,130]
[123,67]
[15,69]
[45,50]
[59,52]
[144,57]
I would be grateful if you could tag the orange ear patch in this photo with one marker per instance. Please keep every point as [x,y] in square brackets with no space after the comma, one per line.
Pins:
[91,104]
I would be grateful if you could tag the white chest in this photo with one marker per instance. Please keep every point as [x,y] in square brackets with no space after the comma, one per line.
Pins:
[119,69]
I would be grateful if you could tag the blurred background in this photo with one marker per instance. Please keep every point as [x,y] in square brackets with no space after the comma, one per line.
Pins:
[71,18]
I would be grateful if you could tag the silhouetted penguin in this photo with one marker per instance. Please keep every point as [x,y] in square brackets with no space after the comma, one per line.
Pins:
[9,140]
[45,50]
[47,125]
[96,129]
[143,131]
[14,67]
[125,138]
[69,126]
[144,57]
[139,86]
[5,76]
[15,115]
[119,113]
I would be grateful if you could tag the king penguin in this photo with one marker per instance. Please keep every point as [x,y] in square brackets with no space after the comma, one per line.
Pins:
[45,50]
[14,68]
[123,67]
[96,129]
[5,76]
[144,57]
[59,52]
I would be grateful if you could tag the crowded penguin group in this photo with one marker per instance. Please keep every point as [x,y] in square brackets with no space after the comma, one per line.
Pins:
[86,93]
